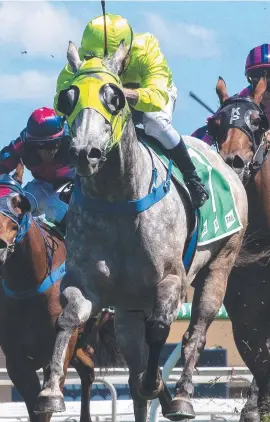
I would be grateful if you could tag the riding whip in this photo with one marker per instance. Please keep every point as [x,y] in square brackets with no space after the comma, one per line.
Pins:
[196,98]
[105,29]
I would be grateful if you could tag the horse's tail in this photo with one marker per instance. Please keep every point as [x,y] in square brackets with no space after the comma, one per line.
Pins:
[107,353]
[253,251]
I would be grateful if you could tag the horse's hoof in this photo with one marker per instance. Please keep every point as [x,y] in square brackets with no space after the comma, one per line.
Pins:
[180,409]
[46,404]
[146,394]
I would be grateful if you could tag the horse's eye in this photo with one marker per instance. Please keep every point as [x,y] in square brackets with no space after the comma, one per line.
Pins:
[67,100]
[255,120]
[18,204]
[112,98]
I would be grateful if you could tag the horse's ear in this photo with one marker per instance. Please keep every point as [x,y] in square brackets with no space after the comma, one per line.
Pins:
[73,57]
[259,90]
[18,174]
[117,61]
[221,90]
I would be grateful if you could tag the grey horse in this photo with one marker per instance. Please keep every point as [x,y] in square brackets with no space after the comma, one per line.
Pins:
[132,261]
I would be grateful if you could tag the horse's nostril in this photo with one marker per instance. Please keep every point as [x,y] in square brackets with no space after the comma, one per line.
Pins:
[95,153]
[3,244]
[238,163]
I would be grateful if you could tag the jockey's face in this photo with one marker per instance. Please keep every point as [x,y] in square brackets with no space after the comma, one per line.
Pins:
[255,75]
[47,155]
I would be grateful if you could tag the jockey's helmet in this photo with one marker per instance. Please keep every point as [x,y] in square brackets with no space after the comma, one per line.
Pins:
[93,39]
[258,63]
[44,129]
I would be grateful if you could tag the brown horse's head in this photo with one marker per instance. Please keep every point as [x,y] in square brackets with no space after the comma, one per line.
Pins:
[13,207]
[238,128]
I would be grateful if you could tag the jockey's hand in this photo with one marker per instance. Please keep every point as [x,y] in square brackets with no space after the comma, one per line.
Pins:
[131,95]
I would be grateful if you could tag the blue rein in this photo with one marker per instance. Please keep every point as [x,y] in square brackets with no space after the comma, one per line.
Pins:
[23,227]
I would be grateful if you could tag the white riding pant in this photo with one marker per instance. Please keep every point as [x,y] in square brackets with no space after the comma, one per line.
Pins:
[47,201]
[159,123]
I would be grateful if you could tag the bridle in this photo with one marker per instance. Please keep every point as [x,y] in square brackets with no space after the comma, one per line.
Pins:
[235,112]
[24,220]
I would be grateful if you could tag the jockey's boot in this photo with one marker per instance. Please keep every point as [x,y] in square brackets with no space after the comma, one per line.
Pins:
[194,184]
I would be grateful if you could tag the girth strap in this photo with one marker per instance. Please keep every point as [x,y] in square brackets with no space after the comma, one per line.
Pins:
[49,281]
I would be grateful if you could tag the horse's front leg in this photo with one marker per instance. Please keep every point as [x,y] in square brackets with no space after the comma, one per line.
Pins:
[84,365]
[130,333]
[158,325]
[76,312]
[208,297]
[250,412]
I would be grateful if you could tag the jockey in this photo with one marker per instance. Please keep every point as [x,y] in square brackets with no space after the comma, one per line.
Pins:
[148,87]
[43,148]
[257,65]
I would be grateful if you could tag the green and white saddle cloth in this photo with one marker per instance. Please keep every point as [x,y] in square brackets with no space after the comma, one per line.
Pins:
[218,217]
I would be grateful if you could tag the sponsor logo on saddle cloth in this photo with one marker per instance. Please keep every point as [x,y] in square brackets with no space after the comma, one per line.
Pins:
[216,224]
[229,218]
[205,229]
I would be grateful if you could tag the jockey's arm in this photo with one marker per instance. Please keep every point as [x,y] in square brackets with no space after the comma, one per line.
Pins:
[131,95]
[9,157]
[156,79]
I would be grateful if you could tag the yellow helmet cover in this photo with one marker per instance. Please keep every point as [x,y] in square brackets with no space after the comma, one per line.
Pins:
[93,40]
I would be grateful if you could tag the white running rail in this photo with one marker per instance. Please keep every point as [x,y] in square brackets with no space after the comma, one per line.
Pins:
[122,410]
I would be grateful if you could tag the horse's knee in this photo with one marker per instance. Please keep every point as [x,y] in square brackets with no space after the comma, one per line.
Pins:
[76,309]
[156,332]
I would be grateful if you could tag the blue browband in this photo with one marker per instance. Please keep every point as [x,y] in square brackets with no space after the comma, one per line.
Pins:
[23,227]
[95,206]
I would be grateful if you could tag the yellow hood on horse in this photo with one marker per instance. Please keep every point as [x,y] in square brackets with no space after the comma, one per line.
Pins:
[89,80]
[147,69]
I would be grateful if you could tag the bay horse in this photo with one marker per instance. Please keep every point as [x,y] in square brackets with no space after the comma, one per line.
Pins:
[123,251]
[32,258]
[239,128]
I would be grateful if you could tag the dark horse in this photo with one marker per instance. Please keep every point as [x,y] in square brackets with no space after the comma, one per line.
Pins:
[239,128]
[31,258]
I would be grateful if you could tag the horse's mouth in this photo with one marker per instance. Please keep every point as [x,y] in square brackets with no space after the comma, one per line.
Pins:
[88,170]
